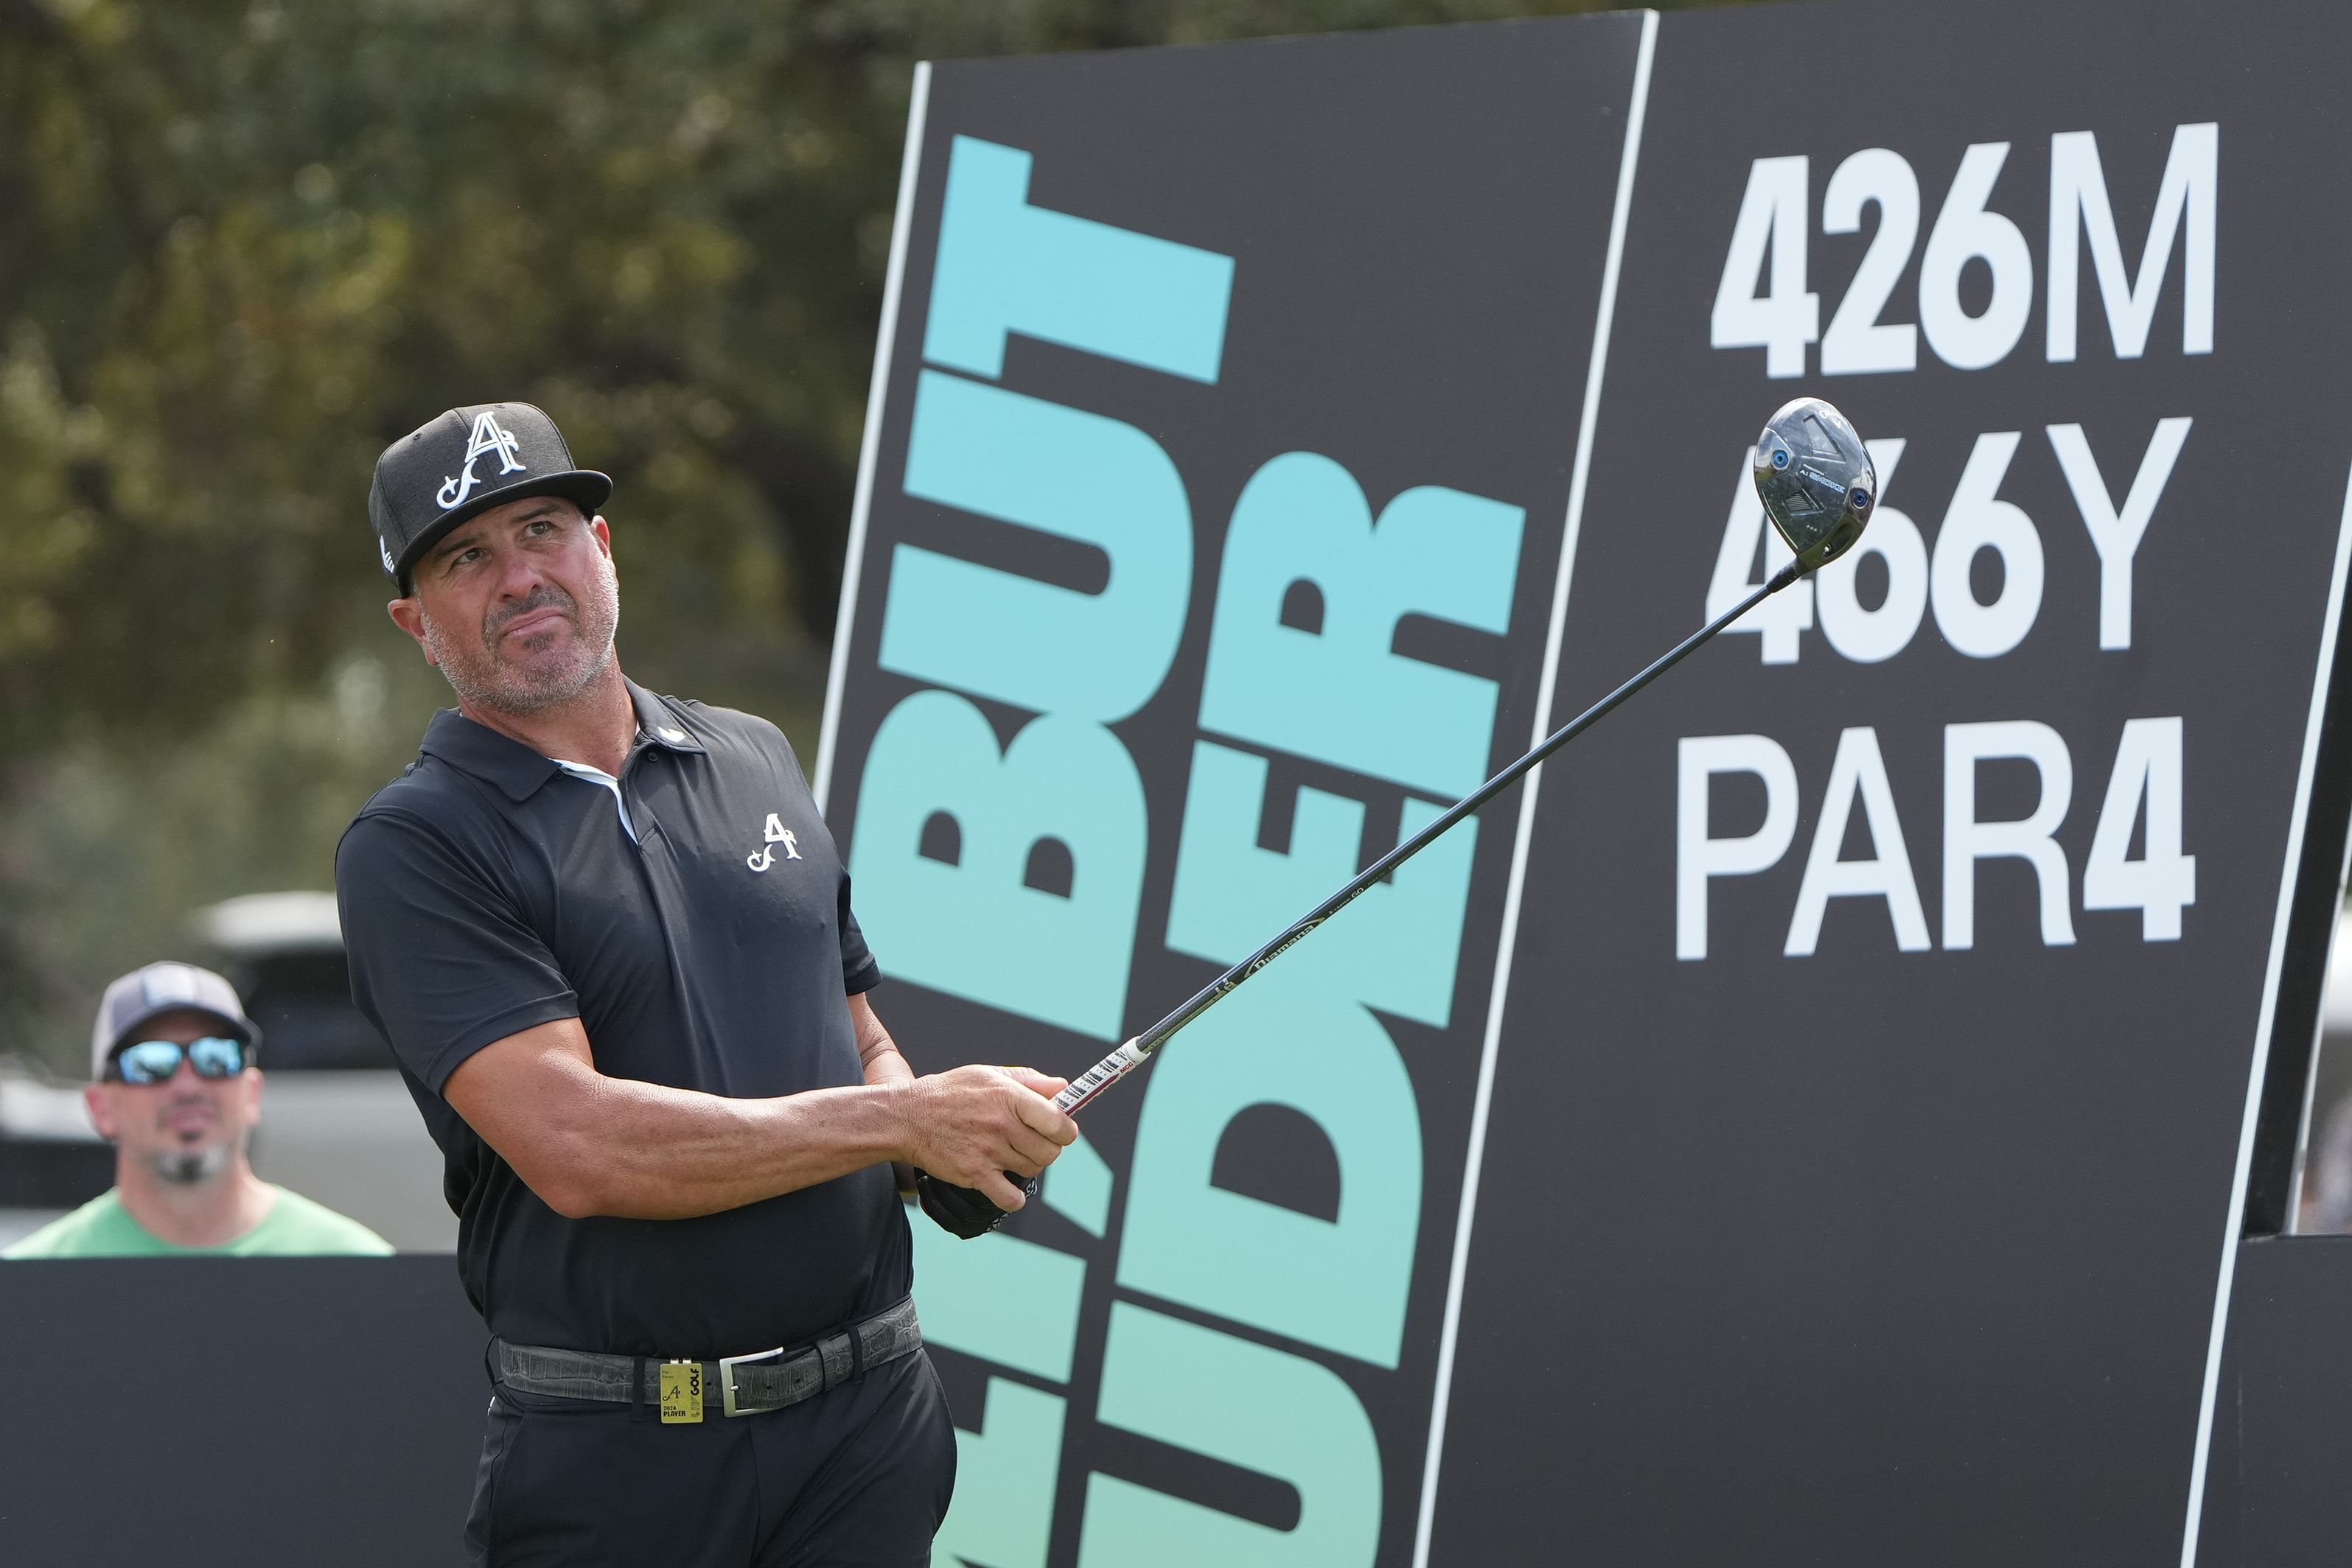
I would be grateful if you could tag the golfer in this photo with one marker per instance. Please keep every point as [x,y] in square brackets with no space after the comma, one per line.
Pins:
[609,939]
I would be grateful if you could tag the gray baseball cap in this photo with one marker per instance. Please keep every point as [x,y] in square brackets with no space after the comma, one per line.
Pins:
[146,994]
[459,464]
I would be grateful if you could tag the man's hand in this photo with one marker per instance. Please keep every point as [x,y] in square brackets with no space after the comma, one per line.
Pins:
[973,1125]
[958,1211]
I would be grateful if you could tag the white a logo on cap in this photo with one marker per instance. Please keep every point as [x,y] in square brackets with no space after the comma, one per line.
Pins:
[489,436]
[384,550]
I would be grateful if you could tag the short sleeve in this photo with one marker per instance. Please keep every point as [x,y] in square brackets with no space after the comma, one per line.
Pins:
[859,972]
[442,961]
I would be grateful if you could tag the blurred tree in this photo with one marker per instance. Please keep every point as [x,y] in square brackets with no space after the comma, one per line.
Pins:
[250,244]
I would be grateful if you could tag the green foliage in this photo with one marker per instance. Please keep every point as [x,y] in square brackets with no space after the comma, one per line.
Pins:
[250,244]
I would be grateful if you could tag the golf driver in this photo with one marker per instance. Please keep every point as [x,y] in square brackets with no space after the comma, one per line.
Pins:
[1818,486]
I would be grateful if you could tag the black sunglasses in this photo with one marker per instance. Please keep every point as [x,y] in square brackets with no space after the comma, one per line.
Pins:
[155,1060]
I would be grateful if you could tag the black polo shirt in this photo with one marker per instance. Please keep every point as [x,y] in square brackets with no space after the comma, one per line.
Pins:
[486,890]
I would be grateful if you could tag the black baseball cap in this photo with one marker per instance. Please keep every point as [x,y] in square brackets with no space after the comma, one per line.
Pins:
[462,463]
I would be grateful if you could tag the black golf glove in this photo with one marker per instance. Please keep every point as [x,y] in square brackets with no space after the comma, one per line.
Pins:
[961,1211]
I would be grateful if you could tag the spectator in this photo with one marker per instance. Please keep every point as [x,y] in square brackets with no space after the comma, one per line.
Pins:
[177,1094]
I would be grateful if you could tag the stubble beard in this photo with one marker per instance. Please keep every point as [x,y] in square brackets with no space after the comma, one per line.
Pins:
[535,682]
[178,1162]
[189,1167]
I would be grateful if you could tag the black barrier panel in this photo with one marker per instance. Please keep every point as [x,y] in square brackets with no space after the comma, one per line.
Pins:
[238,1411]
[1860,1192]
[305,1462]
[2284,1437]
[1171,330]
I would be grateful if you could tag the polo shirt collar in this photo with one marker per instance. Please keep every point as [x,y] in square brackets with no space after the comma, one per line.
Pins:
[660,723]
[517,769]
[494,758]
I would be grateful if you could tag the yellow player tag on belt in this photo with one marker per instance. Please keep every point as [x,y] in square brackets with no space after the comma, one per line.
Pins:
[681,1392]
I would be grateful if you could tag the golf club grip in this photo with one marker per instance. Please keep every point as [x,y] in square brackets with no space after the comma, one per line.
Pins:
[1100,1076]
[970,1201]
[1085,1087]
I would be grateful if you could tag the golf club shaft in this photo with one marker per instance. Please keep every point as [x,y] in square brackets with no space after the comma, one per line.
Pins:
[1135,1051]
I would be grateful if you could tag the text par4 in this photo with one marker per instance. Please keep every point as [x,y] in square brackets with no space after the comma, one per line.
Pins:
[2144,785]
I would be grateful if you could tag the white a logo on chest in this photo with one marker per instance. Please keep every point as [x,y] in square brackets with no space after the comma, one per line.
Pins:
[777,834]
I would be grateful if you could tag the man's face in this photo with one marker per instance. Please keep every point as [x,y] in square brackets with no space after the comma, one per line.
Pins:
[518,606]
[187,1129]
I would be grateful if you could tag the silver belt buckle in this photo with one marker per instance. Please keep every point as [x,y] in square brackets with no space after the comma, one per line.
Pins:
[726,1366]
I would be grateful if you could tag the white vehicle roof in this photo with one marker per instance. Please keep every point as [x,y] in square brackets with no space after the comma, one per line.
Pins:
[261,923]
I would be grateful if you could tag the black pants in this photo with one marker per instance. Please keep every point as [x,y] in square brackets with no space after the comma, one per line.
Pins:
[857,1476]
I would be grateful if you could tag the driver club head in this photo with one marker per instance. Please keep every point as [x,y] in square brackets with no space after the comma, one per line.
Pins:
[1816,481]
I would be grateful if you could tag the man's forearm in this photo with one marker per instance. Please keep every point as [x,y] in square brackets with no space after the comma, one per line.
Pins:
[589,1144]
[641,1151]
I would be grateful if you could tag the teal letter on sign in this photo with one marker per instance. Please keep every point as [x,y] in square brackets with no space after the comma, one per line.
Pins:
[1340,694]
[1281,1414]
[1006,266]
[999,1298]
[1090,655]
[1002,1516]
[1284,1038]
[1395,948]
[963,920]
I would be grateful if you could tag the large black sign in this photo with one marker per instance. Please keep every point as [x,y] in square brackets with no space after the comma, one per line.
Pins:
[1812,1121]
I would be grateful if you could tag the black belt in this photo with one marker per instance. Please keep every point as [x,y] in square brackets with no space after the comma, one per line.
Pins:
[747,1384]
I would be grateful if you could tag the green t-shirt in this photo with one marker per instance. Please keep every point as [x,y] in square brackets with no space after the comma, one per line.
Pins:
[294,1226]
